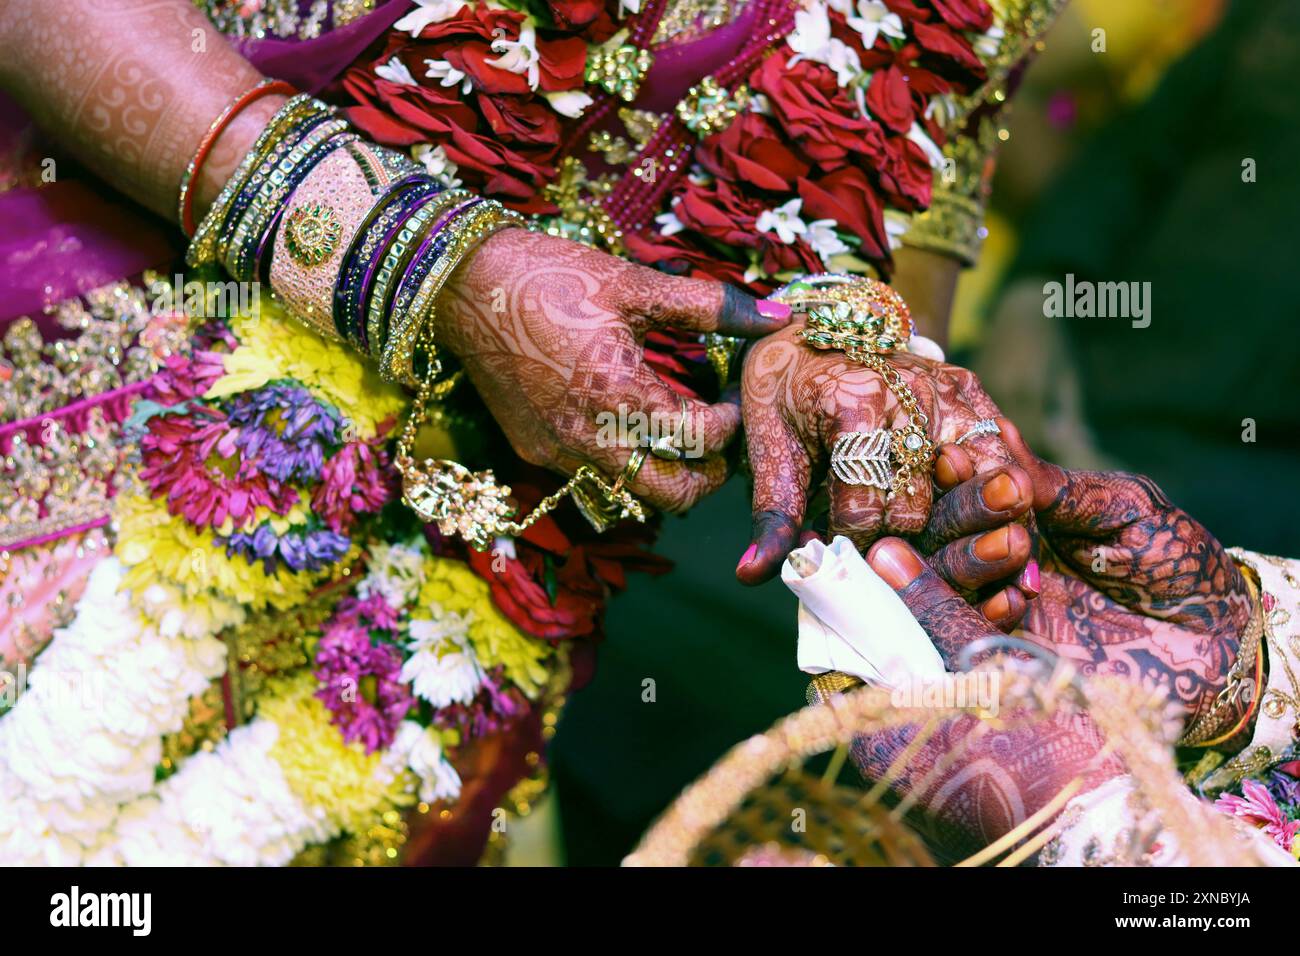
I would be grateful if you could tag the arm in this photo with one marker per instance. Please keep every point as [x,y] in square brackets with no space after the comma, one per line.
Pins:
[132,98]
[131,95]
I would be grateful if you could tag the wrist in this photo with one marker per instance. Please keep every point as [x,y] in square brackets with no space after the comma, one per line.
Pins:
[229,148]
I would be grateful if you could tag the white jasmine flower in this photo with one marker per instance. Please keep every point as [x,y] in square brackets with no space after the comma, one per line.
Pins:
[426,12]
[421,750]
[896,225]
[873,18]
[570,103]
[987,44]
[932,152]
[442,668]
[812,40]
[823,238]
[395,71]
[669,224]
[519,56]
[784,221]
[448,75]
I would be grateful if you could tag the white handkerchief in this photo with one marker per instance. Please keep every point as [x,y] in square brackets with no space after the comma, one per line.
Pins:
[850,620]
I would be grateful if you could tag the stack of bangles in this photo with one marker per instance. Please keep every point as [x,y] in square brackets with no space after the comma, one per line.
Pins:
[357,241]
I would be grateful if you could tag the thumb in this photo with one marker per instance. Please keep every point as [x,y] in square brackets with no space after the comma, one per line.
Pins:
[700,305]
[782,474]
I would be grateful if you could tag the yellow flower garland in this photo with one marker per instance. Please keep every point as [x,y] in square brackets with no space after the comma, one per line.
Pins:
[452,586]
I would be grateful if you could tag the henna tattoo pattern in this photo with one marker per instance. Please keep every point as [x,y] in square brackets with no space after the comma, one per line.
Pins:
[550,331]
[796,400]
[130,86]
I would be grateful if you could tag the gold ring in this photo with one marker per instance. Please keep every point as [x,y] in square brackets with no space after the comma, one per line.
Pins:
[629,472]
[669,448]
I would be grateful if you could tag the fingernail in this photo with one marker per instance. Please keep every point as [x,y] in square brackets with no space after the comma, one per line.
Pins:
[945,472]
[773,310]
[1001,493]
[1030,581]
[895,562]
[993,546]
[747,556]
[997,607]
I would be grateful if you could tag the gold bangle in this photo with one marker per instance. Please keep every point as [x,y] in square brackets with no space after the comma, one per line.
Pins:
[1220,722]
[203,247]
[397,358]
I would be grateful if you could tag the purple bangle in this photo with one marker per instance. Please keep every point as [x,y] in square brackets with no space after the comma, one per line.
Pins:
[244,198]
[348,301]
[422,262]
[408,207]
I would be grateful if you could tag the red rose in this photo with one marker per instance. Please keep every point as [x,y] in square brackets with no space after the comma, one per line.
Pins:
[519,595]
[821,118]
[719,211]
[521,120]
[889,97]
[751,151]
[965,14]
[950,55]
[848,197]
[906,177]
[677,255]
[590,19]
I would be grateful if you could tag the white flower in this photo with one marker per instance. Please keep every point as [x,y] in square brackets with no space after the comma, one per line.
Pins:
[421,749]
[873,18]
[784,221]
[669,224]
[570,103]
[628,6]
[519,56]
[987,44]
[448,75]
[896,225]
[426,12]
[823,238]
[812,40]
[395,71]
[396,571]
[932,152]
[442,668]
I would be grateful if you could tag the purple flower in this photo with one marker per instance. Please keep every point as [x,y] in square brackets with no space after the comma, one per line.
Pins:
[360,685]
[285,429]
[1284,788]
[297,549]
[497,705]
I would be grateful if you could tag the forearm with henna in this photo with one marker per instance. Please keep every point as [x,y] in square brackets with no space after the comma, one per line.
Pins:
[974,782]
[129,87]
[550,333]
[1133,586]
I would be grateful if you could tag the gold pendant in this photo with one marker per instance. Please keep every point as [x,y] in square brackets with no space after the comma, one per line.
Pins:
[459,501]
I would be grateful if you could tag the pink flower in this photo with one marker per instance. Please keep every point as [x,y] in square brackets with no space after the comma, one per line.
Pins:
[194,460]
[1257,807]
[360,684]
[355,481]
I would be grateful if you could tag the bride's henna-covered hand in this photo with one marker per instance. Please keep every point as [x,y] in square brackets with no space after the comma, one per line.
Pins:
[550,333]
[1130,584]
[796,400]
[975,780]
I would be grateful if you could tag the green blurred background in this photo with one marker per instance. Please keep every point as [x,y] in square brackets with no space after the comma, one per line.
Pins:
[1118,166]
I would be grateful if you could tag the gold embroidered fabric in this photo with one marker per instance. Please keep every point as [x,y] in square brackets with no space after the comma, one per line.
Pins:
[976,127]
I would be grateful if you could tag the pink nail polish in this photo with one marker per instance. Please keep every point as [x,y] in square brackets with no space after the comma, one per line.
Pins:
[1029,579]
[773,310]
[747,556]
